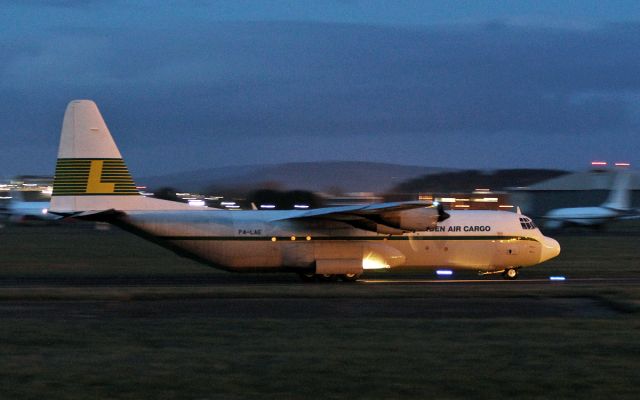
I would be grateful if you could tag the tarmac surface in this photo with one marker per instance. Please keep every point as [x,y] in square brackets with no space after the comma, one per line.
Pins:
[280,278]
[310,308]
[243,305]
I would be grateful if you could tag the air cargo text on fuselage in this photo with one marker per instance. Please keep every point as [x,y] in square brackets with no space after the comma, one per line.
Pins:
[460,228]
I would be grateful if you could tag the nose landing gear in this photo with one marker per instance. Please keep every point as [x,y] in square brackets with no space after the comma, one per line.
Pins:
[510,273]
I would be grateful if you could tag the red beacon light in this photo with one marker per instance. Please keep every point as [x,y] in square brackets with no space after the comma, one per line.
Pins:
[599,163]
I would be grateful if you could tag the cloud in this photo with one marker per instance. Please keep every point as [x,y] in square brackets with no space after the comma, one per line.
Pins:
[56,3]
[345,79]
[337,78]
[163,80]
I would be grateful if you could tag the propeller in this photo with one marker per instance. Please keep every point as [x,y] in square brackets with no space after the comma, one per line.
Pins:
[442,214]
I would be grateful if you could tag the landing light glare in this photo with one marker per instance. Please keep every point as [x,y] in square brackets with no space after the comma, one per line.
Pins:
[373,261]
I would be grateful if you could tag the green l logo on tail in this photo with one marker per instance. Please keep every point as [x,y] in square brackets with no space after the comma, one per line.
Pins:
[91,177]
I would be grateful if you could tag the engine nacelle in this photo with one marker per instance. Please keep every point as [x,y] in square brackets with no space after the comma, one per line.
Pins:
[416,219]
[387,230]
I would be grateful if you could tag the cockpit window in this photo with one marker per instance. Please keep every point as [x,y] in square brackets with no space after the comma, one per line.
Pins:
[527,223]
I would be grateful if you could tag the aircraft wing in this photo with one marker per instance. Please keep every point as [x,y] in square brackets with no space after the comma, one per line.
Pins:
[395,217]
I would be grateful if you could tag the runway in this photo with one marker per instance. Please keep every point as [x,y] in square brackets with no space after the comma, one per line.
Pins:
[311,308]
[283,296]
[286,279]
[540,281]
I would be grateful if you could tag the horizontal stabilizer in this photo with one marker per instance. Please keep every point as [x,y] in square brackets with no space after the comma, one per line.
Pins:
[103,215]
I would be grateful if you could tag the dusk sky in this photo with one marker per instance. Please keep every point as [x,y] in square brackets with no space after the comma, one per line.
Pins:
[202,84]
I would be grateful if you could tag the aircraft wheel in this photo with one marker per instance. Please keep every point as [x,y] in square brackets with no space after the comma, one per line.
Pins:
[510,273]
[307,277]
[327,277]
[350,277]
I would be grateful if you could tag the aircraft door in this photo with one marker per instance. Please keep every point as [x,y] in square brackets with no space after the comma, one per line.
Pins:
[507,252]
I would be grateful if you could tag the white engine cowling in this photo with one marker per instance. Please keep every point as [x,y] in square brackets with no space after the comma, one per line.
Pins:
[417,219]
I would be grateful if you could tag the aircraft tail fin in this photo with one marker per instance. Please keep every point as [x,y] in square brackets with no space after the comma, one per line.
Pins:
[620,194]
[90,172]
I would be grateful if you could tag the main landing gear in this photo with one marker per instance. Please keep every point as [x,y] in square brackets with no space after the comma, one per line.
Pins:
[311,277]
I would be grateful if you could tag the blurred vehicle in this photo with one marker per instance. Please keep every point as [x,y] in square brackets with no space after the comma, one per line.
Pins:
[616,207]
[26,207]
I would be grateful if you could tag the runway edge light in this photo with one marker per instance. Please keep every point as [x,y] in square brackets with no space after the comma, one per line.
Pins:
[444,272]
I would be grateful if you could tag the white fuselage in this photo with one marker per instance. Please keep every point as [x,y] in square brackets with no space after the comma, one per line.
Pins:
[271,240]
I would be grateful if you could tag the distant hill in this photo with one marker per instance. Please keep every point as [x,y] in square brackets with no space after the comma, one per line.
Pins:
[467,181]
[329,176]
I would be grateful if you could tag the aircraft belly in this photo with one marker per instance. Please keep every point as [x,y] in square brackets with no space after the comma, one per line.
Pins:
[201,239]
[209,251]
[264,253]
[472,254]
[245,255]
[447,253]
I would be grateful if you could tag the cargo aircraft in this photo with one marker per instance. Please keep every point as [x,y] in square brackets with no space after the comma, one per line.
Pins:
[92,182]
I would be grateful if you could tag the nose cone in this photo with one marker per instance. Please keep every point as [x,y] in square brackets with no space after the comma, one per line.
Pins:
[550,249]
